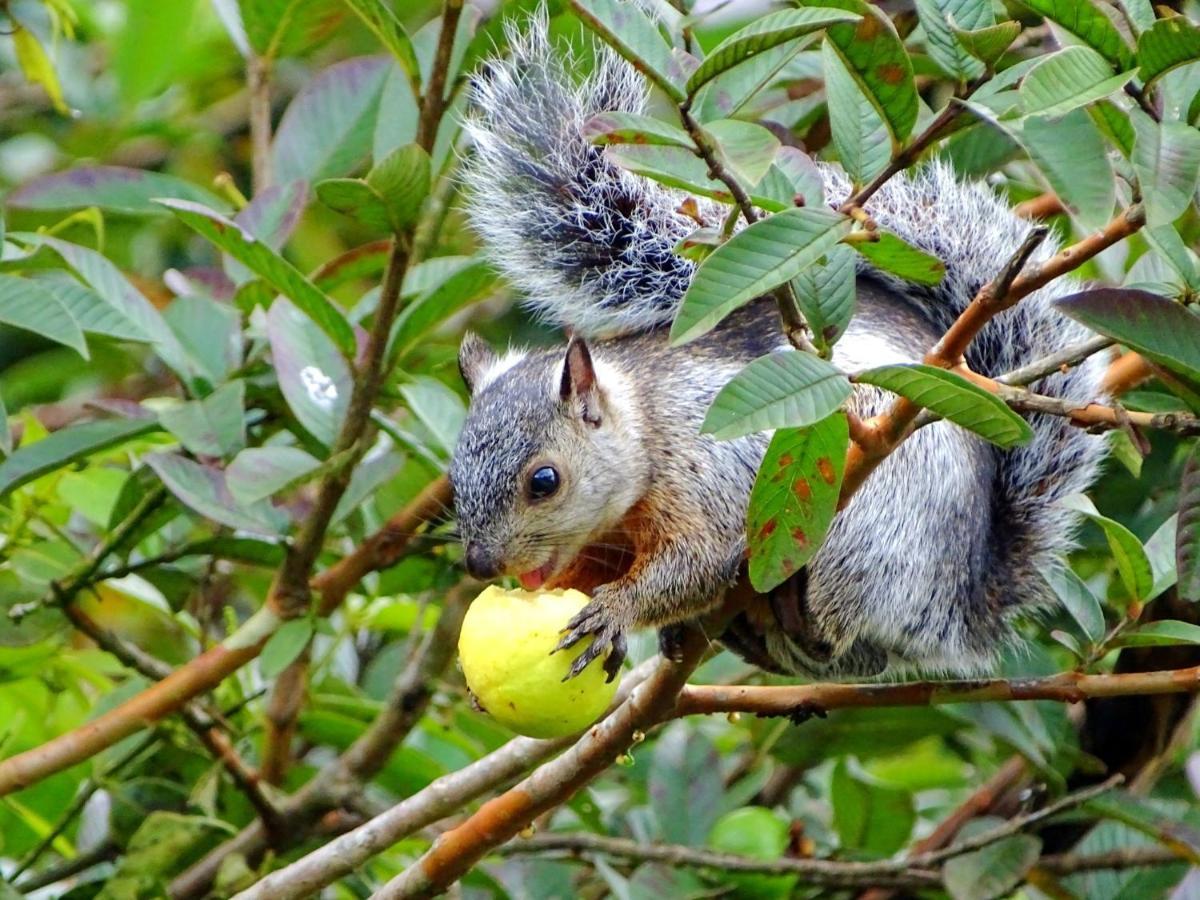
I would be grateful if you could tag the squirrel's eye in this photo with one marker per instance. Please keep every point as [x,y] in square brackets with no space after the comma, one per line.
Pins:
[543,482]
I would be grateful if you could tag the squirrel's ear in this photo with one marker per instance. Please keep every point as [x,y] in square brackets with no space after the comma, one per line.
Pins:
[475,357]
[579,380]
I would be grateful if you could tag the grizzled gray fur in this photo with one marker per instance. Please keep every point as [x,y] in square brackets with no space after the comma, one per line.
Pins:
[924,568]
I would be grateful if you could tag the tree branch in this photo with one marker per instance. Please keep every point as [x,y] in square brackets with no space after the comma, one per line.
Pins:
[822,872]
[441,798]
[501,818]
[794,326]
[808,699]
[884,433]
[258,85]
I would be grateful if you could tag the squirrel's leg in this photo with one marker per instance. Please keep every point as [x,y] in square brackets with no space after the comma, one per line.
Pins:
[676,582]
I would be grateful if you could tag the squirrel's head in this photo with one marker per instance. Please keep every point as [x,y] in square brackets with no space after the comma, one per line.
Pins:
[547,460]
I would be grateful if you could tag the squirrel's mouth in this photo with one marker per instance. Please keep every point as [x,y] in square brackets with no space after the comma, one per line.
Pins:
[535,578]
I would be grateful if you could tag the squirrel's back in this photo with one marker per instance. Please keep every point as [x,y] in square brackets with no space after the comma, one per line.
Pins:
[955,528]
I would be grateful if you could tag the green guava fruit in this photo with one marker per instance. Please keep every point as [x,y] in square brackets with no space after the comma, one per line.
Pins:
[505,651]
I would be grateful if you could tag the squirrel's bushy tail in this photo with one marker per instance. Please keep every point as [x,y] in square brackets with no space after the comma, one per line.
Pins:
[974,232]
[587,244]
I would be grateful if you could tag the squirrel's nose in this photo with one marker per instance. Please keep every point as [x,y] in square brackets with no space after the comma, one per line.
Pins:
[480,563]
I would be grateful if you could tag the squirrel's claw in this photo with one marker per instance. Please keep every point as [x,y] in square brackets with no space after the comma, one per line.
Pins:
[607,638]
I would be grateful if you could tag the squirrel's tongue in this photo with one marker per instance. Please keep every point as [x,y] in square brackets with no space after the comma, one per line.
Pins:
[531,581]
[535,578]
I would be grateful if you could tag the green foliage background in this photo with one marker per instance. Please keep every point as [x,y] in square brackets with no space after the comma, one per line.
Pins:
[146,344]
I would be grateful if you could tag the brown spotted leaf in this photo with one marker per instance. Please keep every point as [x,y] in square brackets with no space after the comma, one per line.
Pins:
[794,499]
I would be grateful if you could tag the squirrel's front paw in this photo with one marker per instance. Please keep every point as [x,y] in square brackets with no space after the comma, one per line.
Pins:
[608,636]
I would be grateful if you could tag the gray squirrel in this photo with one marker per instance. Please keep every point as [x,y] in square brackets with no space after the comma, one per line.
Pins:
[569,458]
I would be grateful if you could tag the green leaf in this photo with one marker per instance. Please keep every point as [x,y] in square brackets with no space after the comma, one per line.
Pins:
[271,217]
[825,293]
[631,128]
[438,408]
[203,489]
[36,66]
[402,180]
[399,126]
[378,467]
[994,870]
[66,446]
[1080,602]
[26,304]
[685,781]
[1085,20]
[355,198]
[1162,633]
[953,397]
[278,28]
[460,281]
[896,256]
[6,444]
[1166,160]
[1161,551]
[876,58]
[794,498]
[284,647]
[944,21]
[314,378]
[869,816]
[763,34]
[763,256]
[112,188]
[89,309]
[1070,153]
[261,472]
[210,332]
[1068,79]
[860,134]
[1169,43]
[787,389]
[672,166]
[146,53]
[329,126]
[747,149]
[988,44]
[622,25]
[1113,122]
[1187,537]
[1132,563]
[378,17]
[128,302]
[214,426]
[1164,331]
[268,264]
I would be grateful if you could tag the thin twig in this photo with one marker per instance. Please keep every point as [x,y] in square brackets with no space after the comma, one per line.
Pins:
[433,103]
[823,872]
[1015,825]
[1056,362]
[794,326]
[258,85]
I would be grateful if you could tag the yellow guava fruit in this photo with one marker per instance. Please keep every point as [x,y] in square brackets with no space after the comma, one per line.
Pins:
[504,648]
